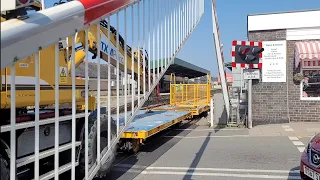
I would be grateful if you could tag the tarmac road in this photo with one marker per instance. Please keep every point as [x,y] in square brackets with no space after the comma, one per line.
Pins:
[197,152]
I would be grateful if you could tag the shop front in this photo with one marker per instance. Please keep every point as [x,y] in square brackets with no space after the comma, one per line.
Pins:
[292,93]
[307,69]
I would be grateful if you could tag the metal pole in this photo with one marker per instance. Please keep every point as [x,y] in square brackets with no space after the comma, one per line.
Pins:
[118,72]
[73,95]
[109,87]
[211,112]
[250,104]
[56,112]
[133,91]
[241,83]
[13,164]
[144,48]
[125,69]
[42,5]
[37,106]
[158,38]
[149,46]
[99,92]
[153,43]
[86,118]
[138,49]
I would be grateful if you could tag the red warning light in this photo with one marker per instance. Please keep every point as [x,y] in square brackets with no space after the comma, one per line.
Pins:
[245,51]
[23,1]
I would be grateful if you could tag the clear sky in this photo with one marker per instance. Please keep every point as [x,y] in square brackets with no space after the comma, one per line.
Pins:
[232,18]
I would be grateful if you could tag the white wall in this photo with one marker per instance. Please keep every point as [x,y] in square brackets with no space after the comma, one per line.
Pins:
[289,20]
[303,33]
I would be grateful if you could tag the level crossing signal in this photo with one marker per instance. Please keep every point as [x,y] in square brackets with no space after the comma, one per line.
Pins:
[247,54]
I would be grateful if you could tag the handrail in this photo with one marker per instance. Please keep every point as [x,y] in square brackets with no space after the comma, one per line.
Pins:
[22,38]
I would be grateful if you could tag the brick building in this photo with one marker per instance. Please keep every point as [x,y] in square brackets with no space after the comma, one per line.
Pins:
[290,99]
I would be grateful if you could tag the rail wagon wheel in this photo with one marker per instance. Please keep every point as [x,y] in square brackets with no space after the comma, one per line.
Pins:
[92,145]
[4,169]
[135,145]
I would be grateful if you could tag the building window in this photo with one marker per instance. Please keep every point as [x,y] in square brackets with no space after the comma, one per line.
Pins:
[310,85]
[307,61]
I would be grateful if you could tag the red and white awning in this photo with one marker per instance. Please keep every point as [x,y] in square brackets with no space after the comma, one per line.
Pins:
[308,54]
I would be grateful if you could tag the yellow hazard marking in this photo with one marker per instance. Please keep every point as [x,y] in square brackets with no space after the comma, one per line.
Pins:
[63,75]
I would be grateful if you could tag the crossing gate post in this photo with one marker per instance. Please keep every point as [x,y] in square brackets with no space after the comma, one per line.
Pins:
[220,58]
[211,112]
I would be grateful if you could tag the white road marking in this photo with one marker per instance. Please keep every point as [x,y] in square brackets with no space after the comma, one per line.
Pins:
[293,138]
[255,176]
[206,169]
[301,149]
[295,141]
[298,143]
[207,129]
[195,137]
[286,126]
[289,129]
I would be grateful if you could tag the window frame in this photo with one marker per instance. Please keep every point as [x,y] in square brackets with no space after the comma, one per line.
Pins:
[301,87]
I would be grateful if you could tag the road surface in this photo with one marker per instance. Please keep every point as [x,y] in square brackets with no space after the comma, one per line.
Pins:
[197,152]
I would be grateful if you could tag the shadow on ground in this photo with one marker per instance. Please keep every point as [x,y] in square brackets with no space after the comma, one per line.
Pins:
[196,159]
[294,173]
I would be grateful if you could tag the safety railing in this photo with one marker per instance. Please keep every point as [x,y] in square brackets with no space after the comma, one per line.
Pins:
[189,95]
[41,55]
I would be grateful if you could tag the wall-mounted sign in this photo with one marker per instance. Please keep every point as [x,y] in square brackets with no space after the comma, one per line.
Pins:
[251,73]
[63,75]
[274,58]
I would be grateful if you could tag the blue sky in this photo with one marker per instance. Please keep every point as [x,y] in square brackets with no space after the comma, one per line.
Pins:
[232,18]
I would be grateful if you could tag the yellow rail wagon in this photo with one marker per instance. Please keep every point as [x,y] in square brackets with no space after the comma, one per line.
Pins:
[186,101]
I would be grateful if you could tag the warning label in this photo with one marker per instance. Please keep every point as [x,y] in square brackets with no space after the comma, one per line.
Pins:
[63,75]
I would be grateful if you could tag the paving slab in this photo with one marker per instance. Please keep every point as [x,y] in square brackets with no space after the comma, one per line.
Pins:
[287,129]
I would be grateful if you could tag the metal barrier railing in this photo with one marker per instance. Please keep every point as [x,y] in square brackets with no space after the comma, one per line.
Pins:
[39,59]
[189,95]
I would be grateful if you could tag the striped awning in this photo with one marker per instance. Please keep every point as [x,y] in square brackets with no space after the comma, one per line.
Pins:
[308,54]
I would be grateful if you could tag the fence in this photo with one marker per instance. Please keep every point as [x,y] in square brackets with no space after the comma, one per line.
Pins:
[50,37]
[189,95]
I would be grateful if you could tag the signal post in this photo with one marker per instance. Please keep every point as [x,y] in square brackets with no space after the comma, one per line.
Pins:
[248,56]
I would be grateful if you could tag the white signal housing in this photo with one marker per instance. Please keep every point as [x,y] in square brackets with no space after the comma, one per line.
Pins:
[7,5]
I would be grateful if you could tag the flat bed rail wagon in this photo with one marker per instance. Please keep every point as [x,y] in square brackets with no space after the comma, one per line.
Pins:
[186,101]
